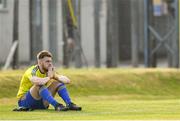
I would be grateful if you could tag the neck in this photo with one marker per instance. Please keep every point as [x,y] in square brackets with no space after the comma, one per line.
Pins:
[41,69]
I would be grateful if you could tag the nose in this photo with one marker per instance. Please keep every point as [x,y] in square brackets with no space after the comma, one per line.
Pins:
[50,64]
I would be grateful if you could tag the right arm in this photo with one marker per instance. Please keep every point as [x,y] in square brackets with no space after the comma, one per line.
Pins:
[39,81]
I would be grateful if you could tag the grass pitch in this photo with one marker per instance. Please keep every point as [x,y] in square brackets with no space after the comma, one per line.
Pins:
[100,108]
[104,94]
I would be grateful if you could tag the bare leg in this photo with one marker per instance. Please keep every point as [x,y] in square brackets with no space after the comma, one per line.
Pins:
[53,90]
[35,92]
[53,87]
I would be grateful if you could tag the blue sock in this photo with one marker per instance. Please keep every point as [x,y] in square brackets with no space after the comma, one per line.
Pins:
[63,93]
[46,95]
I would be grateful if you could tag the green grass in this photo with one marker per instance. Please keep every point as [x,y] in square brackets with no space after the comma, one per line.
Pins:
[105,94]
[101,107]
[153,82]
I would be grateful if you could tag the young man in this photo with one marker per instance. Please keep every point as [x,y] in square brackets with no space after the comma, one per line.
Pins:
[39,85]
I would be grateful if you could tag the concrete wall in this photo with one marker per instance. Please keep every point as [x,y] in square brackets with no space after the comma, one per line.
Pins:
[87,31]
[6,30]
[103,18]
[45,28]
[6,24]
[24,39]
[59,32]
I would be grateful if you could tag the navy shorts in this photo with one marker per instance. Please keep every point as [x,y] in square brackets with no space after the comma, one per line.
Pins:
[29,102]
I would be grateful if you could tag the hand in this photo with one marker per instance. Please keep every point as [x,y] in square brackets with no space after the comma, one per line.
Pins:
[51,68]
[46,79]
[55,76]
[64,79]
[51,72]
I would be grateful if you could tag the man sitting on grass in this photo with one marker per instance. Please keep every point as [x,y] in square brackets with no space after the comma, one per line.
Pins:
[39,85]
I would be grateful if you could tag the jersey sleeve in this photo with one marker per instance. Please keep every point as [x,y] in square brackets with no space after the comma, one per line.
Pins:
[29,75]
[31,72]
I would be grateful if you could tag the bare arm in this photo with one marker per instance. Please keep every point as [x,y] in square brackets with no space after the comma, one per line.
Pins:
[62,79]
[39,81]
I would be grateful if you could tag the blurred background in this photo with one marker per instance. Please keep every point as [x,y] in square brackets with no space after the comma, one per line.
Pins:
[90,33]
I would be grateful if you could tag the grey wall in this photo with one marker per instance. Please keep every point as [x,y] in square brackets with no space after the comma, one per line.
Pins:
[24,41]
[6,22]
[87,29]
[6,30]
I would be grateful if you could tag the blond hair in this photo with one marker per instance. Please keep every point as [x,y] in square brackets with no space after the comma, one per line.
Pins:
[43,53]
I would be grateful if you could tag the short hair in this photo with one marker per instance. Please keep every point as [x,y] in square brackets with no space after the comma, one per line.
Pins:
[43,53]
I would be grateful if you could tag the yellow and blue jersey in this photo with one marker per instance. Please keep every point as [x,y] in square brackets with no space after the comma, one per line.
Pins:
[26,84]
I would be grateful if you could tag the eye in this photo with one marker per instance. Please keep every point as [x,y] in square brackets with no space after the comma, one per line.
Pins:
[49,61]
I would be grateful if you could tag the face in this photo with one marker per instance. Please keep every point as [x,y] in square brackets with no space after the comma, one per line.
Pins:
[45,63]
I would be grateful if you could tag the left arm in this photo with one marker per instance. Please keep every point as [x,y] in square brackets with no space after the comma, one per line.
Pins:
[61,78]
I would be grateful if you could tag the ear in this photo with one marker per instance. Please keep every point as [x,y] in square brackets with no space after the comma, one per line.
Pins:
[39,62]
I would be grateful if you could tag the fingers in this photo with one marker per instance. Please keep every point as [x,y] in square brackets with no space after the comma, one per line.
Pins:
[51,68]
[50,73]
[64,79]
[55,76]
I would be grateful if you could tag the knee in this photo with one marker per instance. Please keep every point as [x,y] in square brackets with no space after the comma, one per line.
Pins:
[36,87]
[56,84]
[61,86]
[35,92]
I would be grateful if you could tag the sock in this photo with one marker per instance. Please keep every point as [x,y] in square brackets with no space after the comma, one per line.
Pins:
[63,93]
[46,95]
